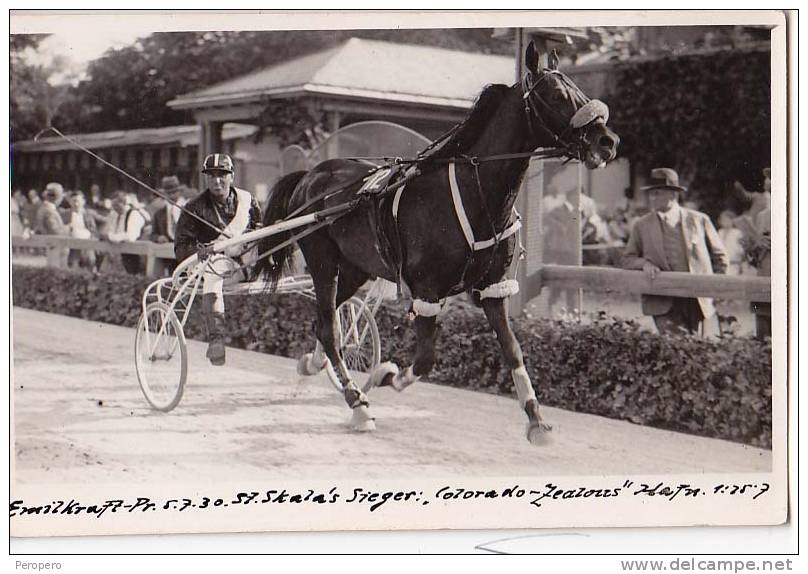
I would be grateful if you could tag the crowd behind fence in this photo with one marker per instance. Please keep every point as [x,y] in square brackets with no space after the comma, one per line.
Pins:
[102,231]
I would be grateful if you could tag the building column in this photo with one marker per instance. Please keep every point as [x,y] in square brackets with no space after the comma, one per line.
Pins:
[334,120]
[210,141]
[529,201]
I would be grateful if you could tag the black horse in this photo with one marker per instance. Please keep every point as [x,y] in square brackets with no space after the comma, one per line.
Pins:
[480,166]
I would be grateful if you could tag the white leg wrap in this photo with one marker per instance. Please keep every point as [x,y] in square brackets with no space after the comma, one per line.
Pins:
[378,374]
[318,358]
[362,420]
[500,290]
[524,390]
[403,380]
[427,309]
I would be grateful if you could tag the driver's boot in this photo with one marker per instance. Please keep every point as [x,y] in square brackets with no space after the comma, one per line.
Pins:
[215,326]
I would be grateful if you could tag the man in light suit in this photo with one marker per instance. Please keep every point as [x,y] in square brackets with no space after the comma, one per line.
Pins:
[674,238]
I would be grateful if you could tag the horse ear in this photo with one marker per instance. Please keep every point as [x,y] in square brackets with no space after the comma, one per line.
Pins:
[532,58]
[553,60]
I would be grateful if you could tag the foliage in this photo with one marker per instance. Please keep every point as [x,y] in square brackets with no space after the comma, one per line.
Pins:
[34,99]
[291,123]
[713,387]
[708,116]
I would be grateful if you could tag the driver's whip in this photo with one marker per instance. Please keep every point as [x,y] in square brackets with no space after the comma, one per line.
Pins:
[122,172]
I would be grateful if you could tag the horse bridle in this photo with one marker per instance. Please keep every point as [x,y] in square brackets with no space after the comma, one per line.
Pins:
[573,146]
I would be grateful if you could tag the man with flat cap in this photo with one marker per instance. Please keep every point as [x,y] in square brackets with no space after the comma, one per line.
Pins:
[674,238]
[231,212]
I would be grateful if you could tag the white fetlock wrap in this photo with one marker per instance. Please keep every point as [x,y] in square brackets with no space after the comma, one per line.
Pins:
[403,380]
[500,290]
[308,364]
[378,374]
[524,390]
[426,309]
[362,421]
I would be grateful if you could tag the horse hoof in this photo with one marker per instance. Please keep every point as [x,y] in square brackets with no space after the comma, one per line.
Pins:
[361,421]
[381,376]
[305,368]
[539,434]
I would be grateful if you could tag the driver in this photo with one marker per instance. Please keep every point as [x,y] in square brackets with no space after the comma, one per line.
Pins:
[234,211]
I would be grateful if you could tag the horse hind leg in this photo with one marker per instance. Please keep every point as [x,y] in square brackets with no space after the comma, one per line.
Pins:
[496,311]
[312,363]
[325,287]
[349,280]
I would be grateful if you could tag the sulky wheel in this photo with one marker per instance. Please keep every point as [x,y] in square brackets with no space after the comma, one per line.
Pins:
[359,335]
[161,357]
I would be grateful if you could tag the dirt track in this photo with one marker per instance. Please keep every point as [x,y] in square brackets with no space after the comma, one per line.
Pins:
[80,417]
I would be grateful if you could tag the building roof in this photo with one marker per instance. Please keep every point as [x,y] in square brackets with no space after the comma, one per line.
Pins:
[173,135]
[366,69]
[562,34]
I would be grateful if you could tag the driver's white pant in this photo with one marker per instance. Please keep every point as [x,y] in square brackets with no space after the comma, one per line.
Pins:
[216,271]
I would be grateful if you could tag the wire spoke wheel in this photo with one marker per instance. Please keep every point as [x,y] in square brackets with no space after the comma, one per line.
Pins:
[359,336]
[161,357]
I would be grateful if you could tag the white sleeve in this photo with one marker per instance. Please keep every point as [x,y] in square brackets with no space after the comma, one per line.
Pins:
[135,226]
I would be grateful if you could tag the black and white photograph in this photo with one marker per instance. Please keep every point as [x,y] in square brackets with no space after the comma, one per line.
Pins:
[410,271]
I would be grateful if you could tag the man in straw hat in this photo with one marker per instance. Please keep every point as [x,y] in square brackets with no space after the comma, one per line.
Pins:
[674,238]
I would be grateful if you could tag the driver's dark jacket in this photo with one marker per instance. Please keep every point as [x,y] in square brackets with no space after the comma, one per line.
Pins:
[191,233]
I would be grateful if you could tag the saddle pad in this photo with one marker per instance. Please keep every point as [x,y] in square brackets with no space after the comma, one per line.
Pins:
[378,180]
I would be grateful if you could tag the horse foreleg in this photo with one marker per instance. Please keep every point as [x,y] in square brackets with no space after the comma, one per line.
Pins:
[388,374]
[496,311]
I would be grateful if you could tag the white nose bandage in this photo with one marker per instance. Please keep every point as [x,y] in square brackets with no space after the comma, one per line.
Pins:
[589,112]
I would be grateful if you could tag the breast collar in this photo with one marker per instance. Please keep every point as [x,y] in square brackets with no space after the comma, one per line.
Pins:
[462,218]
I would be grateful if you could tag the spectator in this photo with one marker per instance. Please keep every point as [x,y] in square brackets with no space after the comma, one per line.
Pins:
[127,224]
[759,254]
[104,217]
[96,197]
[49,222]
[82,226]
[618,224]
[752,203]
[763,311]
[49,219]
[561,228]
[674,238]
[733,241]
[17,210]
[166,217]
[30,217]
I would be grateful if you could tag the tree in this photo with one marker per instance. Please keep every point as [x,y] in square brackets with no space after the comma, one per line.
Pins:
[706,115]
[130,87]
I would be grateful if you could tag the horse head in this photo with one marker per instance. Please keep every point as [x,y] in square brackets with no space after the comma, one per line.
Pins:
[560,115]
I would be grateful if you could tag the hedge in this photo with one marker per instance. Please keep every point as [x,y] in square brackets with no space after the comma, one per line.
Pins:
[710,387]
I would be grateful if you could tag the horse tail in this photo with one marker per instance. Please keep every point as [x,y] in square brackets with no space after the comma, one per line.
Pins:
[272,268]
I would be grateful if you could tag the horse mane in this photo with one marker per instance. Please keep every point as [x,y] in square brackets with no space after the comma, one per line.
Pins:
[469,131]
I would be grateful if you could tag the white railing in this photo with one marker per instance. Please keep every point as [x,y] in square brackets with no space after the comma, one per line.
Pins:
[588,278]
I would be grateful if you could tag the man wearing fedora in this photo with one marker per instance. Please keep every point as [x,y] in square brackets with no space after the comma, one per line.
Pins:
[165,217]
[230,212]
[674,238]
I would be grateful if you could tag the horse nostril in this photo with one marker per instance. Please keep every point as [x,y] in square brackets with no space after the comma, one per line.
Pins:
[606,141]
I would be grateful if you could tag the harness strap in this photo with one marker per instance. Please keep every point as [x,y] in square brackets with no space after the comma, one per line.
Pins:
[465,225]
[397,201]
